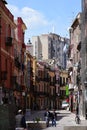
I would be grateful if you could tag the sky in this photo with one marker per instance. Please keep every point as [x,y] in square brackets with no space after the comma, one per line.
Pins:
[45,16]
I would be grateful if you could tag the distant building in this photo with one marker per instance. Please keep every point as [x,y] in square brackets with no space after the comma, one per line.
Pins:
[36,41]
[29,47]
[51,46]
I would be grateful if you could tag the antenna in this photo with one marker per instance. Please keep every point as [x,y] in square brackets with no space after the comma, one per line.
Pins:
[53,29]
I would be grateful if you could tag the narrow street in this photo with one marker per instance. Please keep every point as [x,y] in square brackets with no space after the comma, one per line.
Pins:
[64,118]
[43,64]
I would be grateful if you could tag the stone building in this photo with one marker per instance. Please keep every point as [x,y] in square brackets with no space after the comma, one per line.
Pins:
[84,56]
[19,62]
[74,64]
[7,41]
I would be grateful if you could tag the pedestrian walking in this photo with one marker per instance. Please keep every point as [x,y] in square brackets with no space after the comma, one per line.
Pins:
[23,121]
[54,117]
[20,121]
[77,118]
[47,117]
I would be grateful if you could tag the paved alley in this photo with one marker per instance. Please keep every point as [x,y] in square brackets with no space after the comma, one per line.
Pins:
[64,118]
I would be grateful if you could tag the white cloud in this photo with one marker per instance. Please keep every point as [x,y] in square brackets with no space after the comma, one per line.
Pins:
[32,18]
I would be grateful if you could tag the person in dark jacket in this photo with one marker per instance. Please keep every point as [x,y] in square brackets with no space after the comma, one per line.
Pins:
[47,117]
[53,117]
[23,121]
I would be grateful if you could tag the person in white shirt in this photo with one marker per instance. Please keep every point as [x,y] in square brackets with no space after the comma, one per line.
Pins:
[18,119]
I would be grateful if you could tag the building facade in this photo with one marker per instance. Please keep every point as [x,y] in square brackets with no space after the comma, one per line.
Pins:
[7,41]
[84,56]
[19,60]
[74,65]
[30,80]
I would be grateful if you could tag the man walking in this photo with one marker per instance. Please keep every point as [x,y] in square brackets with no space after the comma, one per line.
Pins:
[54,118]
[47,117]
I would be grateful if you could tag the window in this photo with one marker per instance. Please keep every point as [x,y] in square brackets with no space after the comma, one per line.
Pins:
[12,33]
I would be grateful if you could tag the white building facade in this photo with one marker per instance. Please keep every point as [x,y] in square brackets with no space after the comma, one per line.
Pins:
[50,46]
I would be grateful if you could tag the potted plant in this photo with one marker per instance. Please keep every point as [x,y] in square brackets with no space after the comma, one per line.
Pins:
[37,119]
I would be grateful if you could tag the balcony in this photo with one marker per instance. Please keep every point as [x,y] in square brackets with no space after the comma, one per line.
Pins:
[37,79]
[18,87]
[69,64]
[52,83]
[41,93]
[46,79]
[17,63]
[79,46]
[23,46]
[22,67]
[78,69]
[13,79]
[3,75]
[8,41]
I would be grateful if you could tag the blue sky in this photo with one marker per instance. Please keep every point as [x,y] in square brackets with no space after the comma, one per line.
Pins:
[45,16]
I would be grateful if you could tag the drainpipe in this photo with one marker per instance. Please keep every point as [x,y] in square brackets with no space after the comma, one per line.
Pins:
[0,64]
